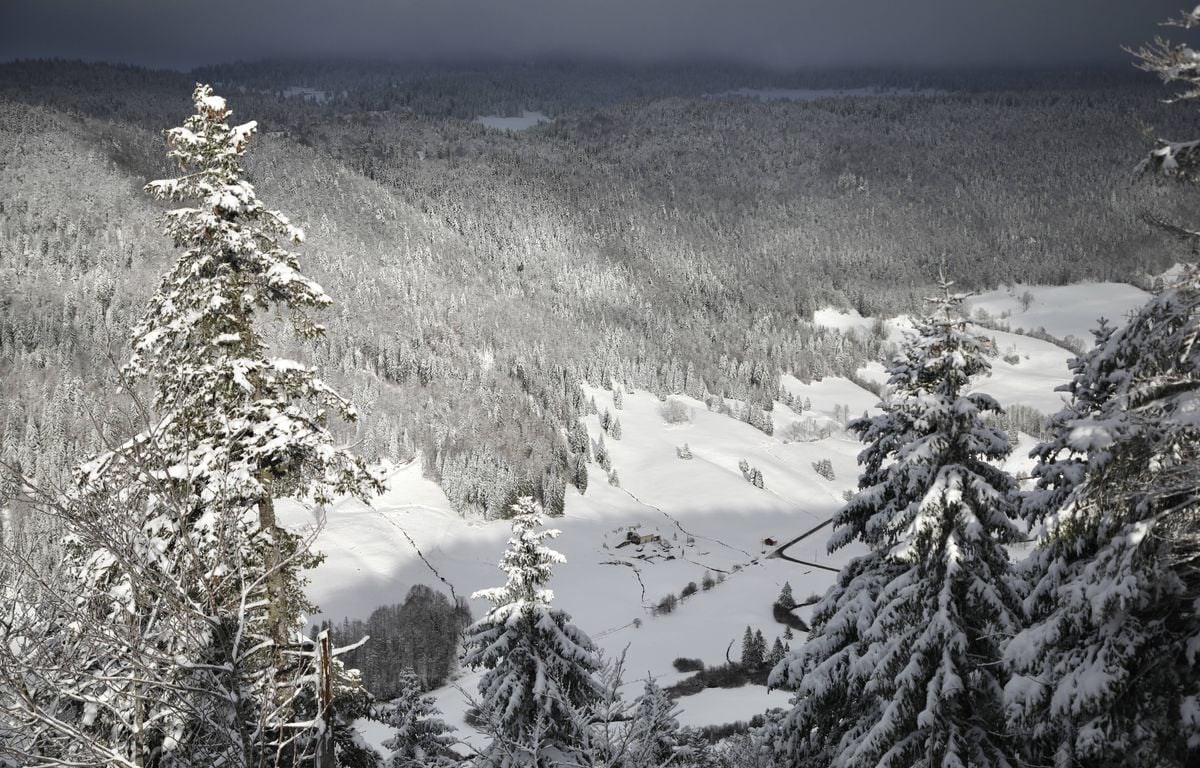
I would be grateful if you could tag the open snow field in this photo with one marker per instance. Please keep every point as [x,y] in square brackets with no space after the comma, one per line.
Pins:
[1070,310]
[706,515]
[524,121]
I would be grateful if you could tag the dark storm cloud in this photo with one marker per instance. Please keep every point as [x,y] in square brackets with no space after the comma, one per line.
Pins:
[184,33]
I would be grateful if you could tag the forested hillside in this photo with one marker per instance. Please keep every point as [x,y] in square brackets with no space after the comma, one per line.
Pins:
[672,244]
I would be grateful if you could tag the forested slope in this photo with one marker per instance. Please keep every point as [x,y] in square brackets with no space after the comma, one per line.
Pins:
[673,245]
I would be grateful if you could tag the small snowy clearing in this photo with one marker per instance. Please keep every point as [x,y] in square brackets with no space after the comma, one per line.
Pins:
[526,120]
[1061,311]
[892,329]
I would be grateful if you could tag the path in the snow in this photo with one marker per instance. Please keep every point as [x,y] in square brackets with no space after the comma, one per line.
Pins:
[779,552]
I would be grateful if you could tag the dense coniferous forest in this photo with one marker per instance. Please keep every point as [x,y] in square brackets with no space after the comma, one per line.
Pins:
[419,636]
[648,237]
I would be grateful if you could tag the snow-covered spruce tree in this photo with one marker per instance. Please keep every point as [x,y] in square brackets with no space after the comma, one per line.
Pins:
[1059,469]
[902,664]
[752,749]
[201,579]
[421,739]
[1106,672]
[751,657]
[786,600]
[540,669]
[776,654]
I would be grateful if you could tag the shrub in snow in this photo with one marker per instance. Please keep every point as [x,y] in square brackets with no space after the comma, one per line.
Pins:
[687,665]
[805,430]
[824,468]
[675,411]
[752,474]
[667,604]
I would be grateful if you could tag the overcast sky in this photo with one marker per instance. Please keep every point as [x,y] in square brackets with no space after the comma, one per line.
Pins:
[185,33]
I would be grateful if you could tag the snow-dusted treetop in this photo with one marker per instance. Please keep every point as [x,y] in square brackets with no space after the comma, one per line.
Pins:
[527,561]
[241,423]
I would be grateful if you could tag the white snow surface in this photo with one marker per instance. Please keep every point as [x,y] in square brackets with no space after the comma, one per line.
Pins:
[849,320]
[1061,311]
[707,515]
[525,120]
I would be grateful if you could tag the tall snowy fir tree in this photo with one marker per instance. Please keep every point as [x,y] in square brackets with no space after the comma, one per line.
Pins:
[1106,672]
[902,665]
[174,543]
[540,669]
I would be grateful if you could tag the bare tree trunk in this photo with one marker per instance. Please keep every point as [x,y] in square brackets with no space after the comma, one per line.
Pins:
[326,757]
[276,583]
